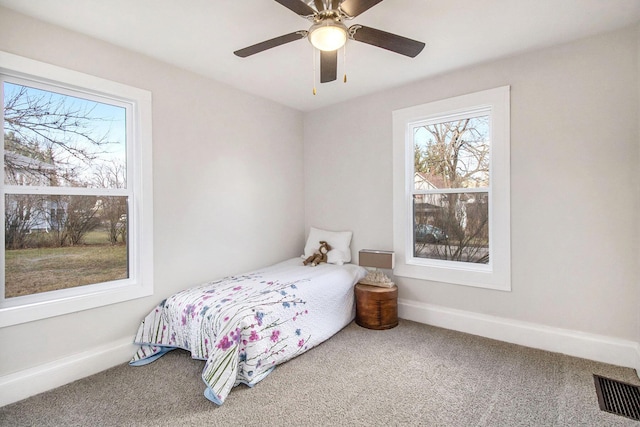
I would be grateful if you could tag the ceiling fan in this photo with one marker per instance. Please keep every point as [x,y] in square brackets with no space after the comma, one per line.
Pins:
[328,33]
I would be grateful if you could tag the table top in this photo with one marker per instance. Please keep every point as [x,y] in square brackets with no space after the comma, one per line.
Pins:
[371,288]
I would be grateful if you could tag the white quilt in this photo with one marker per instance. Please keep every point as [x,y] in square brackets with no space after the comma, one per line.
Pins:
[243,326]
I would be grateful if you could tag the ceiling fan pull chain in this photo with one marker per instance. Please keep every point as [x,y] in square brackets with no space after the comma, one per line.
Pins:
[313,52]
[344,62]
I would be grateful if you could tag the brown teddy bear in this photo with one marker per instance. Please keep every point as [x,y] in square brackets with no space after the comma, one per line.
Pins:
[319,256]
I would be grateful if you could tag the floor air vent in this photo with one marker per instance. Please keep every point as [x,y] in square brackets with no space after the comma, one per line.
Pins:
[617,397]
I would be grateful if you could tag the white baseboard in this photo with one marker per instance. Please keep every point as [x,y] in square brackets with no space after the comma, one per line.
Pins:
[29,382]
[600,348]
[20,385]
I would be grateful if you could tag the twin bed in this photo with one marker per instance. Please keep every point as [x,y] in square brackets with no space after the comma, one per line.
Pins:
[243,326]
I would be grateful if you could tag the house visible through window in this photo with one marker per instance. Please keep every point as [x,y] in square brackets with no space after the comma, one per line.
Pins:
[451,190]
[73,191]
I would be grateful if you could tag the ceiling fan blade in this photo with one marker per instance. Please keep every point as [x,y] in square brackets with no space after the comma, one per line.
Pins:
[389,41]
[298,7]
[335,4]
[356,7]
[268,44]
[319,5]
[328,66]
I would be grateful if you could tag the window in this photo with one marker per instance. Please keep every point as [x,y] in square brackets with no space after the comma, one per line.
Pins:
[451,190]
[76,191]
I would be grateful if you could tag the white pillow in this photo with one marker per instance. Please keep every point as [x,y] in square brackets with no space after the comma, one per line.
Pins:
[338,240]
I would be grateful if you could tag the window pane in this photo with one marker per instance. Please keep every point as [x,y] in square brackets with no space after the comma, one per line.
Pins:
[58,242]
[51,139]
[452,226]
[452,154]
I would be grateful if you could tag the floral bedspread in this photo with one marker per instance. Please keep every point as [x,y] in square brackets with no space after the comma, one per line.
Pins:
[243,326]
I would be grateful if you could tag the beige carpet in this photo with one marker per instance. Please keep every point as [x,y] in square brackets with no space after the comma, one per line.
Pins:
[410,375]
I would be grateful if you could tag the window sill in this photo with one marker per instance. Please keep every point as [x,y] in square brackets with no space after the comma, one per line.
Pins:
[458,274]
[70,304]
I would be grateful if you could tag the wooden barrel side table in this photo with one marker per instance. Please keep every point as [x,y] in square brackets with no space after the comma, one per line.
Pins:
[376,307]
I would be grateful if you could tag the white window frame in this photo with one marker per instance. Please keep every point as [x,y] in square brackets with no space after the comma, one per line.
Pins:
[497,273]
[16,310]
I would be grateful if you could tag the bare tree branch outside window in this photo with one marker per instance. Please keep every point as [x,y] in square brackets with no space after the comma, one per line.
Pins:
[54,141]
[68,133]
[451,206]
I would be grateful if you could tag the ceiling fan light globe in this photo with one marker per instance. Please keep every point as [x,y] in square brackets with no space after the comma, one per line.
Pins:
[328,36]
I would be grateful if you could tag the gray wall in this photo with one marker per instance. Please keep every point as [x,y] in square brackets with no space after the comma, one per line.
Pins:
[228,185]
[574,182]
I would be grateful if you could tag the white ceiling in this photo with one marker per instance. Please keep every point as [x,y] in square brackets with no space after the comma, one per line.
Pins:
[201,35]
